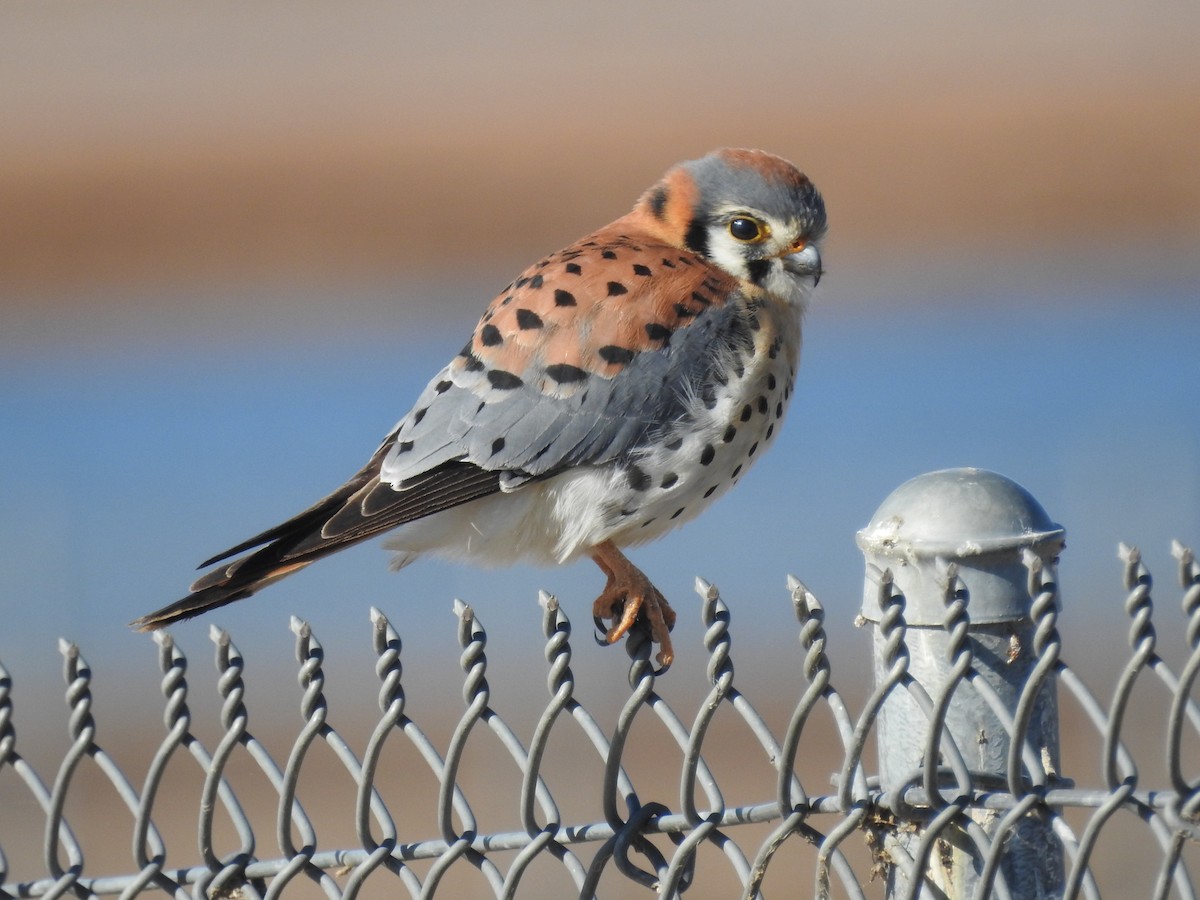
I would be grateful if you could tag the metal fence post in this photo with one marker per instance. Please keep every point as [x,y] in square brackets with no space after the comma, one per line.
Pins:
[946,537]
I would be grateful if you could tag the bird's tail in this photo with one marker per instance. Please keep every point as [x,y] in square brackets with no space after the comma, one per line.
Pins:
[360,509]
[247,575]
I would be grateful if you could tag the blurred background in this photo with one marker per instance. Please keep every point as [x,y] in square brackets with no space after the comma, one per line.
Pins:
[236,241]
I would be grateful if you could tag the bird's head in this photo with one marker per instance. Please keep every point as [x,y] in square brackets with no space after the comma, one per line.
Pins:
[750,213]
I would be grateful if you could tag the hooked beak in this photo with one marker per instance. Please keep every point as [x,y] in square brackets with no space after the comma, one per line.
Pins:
[803,259]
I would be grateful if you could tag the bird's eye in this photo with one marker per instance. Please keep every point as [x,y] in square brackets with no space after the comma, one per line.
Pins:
[747,230]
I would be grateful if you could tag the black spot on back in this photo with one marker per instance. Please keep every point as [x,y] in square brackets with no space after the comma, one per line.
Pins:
[490,336]
[497,445]
[730,434]
[563,298]
[442,386]
[746,413]
[684,312]
[535,281]
[419,415]
[707,454]
[528,319]
[657,332]
[573,268]
[616,289]
[639,269]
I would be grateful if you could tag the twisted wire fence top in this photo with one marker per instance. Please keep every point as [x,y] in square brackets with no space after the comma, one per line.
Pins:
[669,808]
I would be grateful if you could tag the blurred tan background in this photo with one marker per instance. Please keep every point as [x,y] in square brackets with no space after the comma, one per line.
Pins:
[236,239]
[144,145]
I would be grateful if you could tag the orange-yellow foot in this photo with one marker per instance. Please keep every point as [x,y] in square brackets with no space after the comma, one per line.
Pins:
[629,594]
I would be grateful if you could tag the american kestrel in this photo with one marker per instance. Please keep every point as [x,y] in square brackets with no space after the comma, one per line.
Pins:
[609,394]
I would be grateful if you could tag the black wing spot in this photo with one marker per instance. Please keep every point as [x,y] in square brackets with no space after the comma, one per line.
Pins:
[730,434]
[657,332]
[608,254]
[563,298]
[490,336]
[504,381]
[619,356]
[770,382]
[668,263]
[419,415]
[497,445]
[574,268]
[753,449]
[565,373]
[746,413]
[779,410]
[678,512]
[707,454]
[535,281]
[712,490]
[442,386]
[762,405]
[639,269]
[474,363]
[770,431]
[616,289]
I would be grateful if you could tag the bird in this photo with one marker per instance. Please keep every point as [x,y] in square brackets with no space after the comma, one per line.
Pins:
[610,393]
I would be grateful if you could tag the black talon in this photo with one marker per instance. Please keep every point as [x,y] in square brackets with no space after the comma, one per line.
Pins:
[601,635]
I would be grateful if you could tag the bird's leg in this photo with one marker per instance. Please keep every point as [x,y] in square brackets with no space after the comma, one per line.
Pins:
[628,593]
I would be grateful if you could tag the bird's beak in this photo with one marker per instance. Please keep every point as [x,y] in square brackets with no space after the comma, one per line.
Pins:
[802,258]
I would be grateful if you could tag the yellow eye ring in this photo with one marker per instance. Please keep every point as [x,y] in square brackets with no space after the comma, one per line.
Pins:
[748,230]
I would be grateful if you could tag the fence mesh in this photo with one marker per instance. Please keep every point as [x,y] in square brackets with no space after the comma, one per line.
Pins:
[801,835]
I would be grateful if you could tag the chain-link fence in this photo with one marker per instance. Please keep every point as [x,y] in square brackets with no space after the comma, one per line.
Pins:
[948,782]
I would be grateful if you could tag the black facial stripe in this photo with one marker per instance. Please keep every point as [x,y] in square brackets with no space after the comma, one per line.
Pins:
[696,238]
[758,269]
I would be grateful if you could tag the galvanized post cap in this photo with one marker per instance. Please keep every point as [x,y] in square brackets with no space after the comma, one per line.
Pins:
[978,519]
